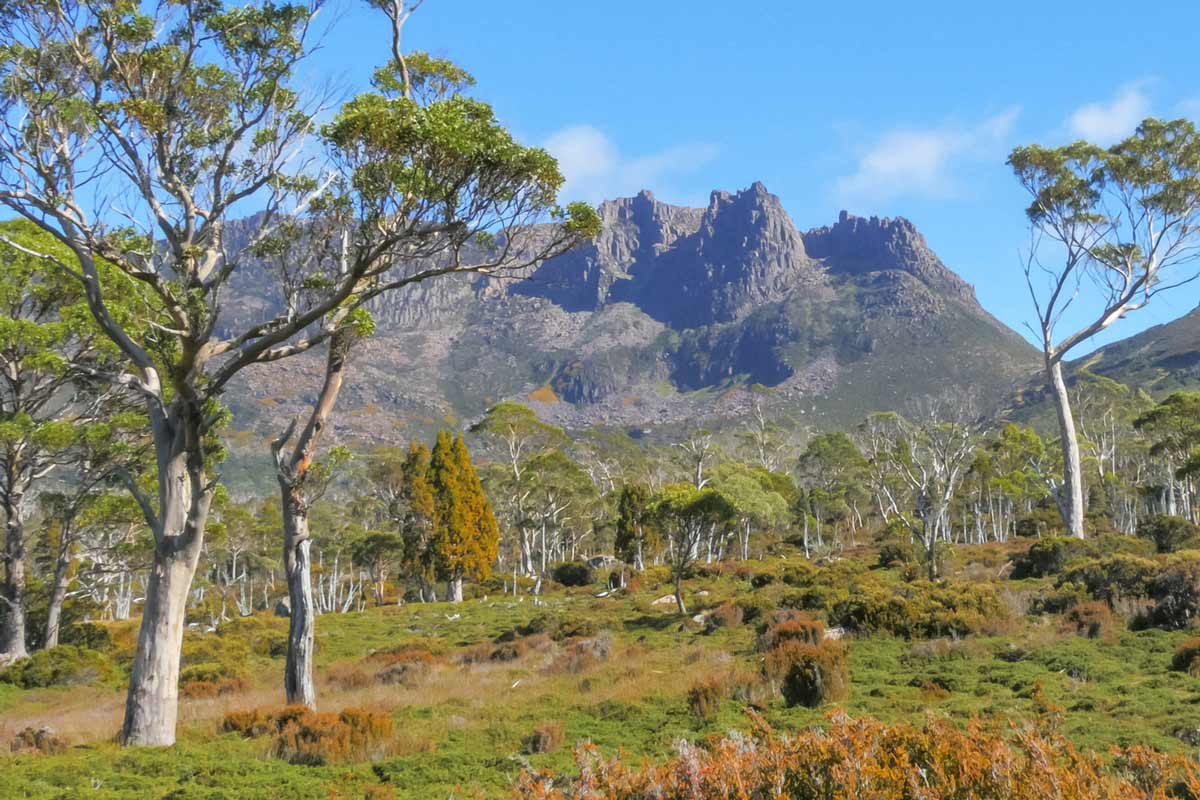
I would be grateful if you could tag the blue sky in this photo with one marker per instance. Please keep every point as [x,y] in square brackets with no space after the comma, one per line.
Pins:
[880,108]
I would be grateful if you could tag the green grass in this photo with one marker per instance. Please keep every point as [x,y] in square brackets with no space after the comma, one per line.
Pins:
[463,731]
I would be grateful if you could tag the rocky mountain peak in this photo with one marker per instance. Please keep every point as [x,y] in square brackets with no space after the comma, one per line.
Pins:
[860,245]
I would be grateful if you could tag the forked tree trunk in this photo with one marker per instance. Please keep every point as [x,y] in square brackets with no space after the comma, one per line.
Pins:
[292,472]
[13,625]
[454,589]
[1070,498]
[297,677]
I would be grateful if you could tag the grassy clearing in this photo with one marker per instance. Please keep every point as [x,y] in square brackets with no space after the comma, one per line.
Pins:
[468,686]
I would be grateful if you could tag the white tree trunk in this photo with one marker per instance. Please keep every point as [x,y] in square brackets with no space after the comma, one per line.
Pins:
[1070,498]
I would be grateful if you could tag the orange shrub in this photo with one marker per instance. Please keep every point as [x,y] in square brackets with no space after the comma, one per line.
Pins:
[869,759]
[303,736]
[809,674]
[794,627]
[1092,619]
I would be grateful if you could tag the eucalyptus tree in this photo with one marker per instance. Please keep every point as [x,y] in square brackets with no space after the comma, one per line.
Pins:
[636,534]
[687,515]
[756,503]
[520,437]
[1173,429]
[1111,229]
[50,401]
[833,472]
[135,132]
[430,182]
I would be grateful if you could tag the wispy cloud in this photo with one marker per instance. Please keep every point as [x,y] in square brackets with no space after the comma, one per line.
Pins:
[595,170]
[1108,122]
[924,161]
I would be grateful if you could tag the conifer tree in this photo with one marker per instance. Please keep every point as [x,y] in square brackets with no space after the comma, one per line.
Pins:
[417,526]
[466,535]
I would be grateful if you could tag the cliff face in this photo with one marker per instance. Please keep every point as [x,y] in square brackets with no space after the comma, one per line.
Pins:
[666,305]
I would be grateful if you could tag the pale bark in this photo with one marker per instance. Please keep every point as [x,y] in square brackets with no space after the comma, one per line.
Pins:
[58,594]
[297,677]
[454,589]
[1070,495]
[153,700]
[292,473]
[12,626]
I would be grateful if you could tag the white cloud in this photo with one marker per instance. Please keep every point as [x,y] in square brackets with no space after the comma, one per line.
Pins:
[1106,123]
[924,161]
[595,170]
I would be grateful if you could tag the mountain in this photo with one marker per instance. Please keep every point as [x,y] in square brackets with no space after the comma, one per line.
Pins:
[1159,360]
[672,316]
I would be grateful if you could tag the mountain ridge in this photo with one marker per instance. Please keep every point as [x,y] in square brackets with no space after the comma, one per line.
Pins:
[670,316]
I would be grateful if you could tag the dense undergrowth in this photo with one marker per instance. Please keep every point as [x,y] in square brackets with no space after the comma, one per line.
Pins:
[440,700]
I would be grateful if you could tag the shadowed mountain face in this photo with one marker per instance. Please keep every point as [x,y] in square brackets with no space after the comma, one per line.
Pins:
[1160,359]
[669,317]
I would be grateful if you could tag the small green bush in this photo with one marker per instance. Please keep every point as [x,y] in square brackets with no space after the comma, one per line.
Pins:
[65,665]
[573,573]
[922,609]
[1176,594]
[1115,577]
[1168,533]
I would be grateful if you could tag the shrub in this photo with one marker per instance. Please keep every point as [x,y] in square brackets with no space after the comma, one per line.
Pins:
[895,552]
[207,690]
[867,758]
[1114,577]
[922,609]
[1092,619]
[39,740]
[87,635]
[554,626]
[1176,594]
[727,615]
[810,675]
[213,657]
[583,654]
[792,627]
[65,665]
[303,736]
[762,579]
[1044,521]
[1045,557]
[1168,533]
[546,737]
[704,698]
[1187,657]
[573,573]
[264,634]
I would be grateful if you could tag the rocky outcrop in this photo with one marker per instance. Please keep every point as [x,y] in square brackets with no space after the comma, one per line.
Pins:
[860,245]
[668,317]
